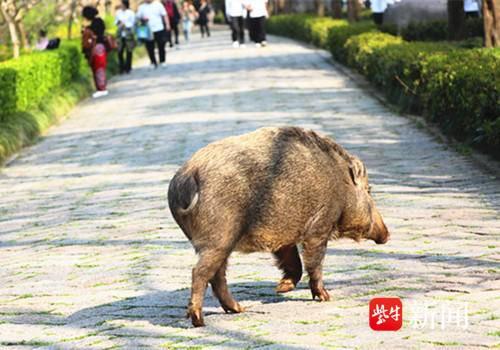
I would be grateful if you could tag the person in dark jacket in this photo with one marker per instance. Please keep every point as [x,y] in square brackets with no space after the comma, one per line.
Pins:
[203,13]
[174,17]
[94,48]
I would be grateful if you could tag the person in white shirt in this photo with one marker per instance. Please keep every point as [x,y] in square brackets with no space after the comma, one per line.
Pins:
[257,12]
[155,16]
[236,13]
[471,8]
[125,21]
[378,9]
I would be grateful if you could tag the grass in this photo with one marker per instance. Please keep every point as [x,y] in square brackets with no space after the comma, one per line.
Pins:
[23,128]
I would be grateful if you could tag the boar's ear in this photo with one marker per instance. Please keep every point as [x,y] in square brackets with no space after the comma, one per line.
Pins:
[356,172]
[353,174]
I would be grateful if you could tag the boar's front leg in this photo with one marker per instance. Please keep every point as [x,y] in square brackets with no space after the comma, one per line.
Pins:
[288,260]
[219,286]
[314,254]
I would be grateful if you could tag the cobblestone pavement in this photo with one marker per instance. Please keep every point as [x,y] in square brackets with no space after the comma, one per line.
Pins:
[91,258]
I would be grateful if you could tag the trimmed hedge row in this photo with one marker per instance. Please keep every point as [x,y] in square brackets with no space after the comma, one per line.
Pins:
[26,81]
[457,88]
[37,89]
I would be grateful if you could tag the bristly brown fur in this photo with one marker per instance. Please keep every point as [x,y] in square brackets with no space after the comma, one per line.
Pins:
[270,190]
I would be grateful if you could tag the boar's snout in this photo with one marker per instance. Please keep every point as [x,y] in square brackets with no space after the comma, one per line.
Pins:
[380,233]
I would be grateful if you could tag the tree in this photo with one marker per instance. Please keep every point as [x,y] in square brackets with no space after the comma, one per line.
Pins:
[491,14]
[9,12]
[71,17]
[13,12]
[353,9]
[337,8]
[456,19]
[319,6]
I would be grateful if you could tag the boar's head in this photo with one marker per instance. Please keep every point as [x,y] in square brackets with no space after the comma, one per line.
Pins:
[360,218]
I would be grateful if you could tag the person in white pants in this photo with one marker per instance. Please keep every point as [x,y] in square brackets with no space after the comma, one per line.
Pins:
[257,13]
[236,13]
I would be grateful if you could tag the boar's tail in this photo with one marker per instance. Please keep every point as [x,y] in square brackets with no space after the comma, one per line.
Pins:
[183,193]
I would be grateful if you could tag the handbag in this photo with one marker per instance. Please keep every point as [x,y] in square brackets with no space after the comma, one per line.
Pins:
[110,42]
[143,32]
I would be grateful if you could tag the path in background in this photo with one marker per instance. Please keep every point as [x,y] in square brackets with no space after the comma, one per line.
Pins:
[91,258]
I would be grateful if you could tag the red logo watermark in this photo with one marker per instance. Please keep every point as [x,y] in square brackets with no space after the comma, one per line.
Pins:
[386,314]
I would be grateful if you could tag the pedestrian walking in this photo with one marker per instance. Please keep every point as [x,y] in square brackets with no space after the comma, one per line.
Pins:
[153,14]
[174,17]
[125,21]
[203,14]
[94,48]
[188,15]
[257,15]
[236,13]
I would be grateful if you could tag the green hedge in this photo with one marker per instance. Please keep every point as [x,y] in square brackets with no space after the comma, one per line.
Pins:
[438,30]
[26,81]
[337,38]
[455,87]
[37,89]
[462,95]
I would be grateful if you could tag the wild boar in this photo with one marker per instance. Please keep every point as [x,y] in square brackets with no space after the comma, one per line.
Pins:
[270,190]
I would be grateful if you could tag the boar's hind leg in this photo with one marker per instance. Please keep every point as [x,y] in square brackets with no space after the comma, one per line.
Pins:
[210,261]
[314,254]
[219,286]
[288,259]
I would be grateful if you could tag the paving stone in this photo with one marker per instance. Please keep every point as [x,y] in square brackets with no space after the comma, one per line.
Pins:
[92,259]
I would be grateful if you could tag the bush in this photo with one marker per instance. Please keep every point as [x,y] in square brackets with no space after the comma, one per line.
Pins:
[337,38]
[360,47]
[462,94]
[451,84]
[38,89]
[34,76]
[320,30]
[308,28]
[438,30]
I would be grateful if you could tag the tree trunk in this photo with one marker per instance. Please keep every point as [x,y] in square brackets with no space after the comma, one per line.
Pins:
[319,6]
[72,9]
[456,19]
[337,8]
[352,10]
[491,15]
[22,34]
[14,38]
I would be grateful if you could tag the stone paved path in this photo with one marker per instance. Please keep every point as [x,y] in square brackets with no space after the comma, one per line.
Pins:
[91,258]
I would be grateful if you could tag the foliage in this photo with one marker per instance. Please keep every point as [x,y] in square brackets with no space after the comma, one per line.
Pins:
[462,94]
[35,76]
[438,30]
[337,38]
[454,86]
[36,90]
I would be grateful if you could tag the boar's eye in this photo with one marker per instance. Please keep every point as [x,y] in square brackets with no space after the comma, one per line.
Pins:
[369,189]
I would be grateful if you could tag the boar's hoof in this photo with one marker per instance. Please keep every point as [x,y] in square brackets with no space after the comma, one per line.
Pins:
[235,309]
[317,290]
[196,316]
[285,285]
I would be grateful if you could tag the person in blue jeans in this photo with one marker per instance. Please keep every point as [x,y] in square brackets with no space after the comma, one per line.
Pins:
[189,15]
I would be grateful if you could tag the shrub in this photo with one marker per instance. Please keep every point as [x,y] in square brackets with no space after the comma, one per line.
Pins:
[462,94]
[24,82]
[453,85]
[320,29]
[338,36]
[438,30]
[360,47]
[397,69]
